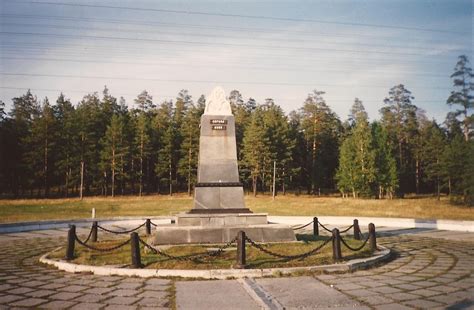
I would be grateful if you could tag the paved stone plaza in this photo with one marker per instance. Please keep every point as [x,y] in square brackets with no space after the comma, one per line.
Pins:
[432,269]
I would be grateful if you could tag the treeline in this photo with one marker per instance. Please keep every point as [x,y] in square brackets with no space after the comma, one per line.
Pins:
[102,147]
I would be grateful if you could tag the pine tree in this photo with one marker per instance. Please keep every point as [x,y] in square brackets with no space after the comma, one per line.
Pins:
[357,156]
[457,168]
[280,143]
[67,146]
[346,172]
[399,117]
[463,94]
[321,129]
[40,141]
[166,128]
[432,152]
[2,110]
[142,137]
[144,101]
[386,181]
[241,114]
[25,109]
[187,166]
[112,149]
[183,103]
[255,150]
[89,123]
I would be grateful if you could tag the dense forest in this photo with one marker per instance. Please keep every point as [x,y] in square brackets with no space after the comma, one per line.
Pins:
[102,147]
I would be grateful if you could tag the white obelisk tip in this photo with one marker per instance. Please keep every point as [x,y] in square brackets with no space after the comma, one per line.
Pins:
[216,103]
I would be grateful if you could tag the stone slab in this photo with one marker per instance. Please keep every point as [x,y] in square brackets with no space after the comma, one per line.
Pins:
[223,234]
[186,219]
[306,293]
[205,295]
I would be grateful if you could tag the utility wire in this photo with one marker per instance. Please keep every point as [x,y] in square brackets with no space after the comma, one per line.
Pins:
[100,49]
[312,84]
[252,46]
[246,30]
[206,65]
[259,17]
[225,37]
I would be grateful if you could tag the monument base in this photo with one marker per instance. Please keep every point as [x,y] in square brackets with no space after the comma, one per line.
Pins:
[221,228]
[223,234]
[220,219]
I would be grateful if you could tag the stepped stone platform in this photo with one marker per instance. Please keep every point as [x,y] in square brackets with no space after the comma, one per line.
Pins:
[221,228]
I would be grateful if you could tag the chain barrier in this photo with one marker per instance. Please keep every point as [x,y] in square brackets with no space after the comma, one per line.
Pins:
[288,257]
[355,249]
[325,228]
[120,232]
[99,249]
[346,230]
[90,235]
[301,227]
[153,224]
[194,256]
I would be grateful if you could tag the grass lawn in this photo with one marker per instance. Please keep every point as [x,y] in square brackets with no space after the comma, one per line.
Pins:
[255,258]
[48,209]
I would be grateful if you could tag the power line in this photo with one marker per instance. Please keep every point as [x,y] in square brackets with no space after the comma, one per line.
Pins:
[259,17]
[76,48]
[312,84]
[216,36]
[252,46]
[206,64]
[246,30]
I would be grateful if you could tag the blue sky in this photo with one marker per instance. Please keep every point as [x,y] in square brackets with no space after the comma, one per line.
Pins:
[267,49]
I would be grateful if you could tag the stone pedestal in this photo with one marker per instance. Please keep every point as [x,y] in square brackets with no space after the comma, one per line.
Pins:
[218,189]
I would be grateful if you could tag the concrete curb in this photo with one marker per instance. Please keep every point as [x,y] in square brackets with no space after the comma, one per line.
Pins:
[382,255]
[345,221]
[341,221]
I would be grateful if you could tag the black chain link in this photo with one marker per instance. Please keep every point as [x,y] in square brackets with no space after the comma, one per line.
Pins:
[90,234]
[347,229]
[99,249]
[288,257]
[355,249]
[327,229]
[153,224]
[120,232]
[301,227]
[194,256]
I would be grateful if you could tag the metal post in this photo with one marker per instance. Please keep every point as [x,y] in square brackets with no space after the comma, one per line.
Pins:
[315,226]
[241,259]
[94,231]
[71,240]
[356,229]
[135,246]
[372,238]
[148,227]
[336,245]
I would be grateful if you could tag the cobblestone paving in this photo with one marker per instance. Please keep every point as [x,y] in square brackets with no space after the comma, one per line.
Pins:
[24,282]
[426,273]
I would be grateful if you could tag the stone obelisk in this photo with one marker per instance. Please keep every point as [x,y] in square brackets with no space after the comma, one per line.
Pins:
[218,189]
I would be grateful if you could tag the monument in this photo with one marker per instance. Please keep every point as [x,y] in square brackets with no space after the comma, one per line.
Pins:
[219,211]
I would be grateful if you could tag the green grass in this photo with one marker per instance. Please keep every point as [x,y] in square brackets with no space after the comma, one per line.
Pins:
[49,209]
[255,258]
